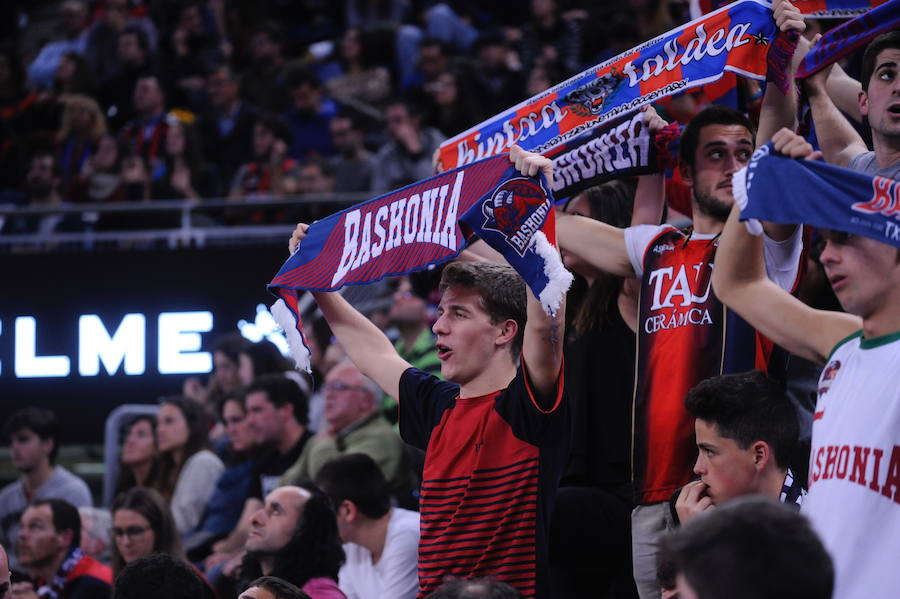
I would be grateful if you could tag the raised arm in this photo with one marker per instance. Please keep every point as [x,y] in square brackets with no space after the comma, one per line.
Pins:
[740,282]
[542,346]
[779,110]
[364,343]
[838,139]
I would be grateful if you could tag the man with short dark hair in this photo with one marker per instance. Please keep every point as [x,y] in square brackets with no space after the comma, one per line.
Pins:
[146,133]
[406,157]
[271,171]
[752,548]
[32,434]
[380,541]
[309,116]
[746,430]
[48,548]
[495,433]
[353,164]
[226,129]
[160,575]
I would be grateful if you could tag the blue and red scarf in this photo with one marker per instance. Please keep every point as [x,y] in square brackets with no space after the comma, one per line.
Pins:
[813,8]
[740,38]
[783,190]
[850,37]
[421,225]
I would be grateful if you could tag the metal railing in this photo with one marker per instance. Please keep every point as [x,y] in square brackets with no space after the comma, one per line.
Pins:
[196,227]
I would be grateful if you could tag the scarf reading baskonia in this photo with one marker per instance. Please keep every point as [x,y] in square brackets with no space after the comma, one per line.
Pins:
[423,224]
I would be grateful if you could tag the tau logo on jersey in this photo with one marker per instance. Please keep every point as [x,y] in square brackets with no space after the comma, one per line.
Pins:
[516,210]
[828,376]
[593,95]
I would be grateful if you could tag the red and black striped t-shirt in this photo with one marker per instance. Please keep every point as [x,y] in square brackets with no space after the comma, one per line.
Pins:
[492,467]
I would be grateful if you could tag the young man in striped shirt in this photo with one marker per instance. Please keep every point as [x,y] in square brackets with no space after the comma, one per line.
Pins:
[494,433]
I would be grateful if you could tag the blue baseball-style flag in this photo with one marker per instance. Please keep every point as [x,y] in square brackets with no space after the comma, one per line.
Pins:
[849,37]
[783,190]
[741,38]
[423,224]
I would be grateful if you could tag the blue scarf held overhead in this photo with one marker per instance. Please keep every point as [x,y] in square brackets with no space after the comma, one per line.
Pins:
[783,190]
[741,38]
[421,225]
[814,8]
[850,37]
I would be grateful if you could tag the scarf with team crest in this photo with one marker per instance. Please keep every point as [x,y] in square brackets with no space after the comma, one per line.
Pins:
[425,224]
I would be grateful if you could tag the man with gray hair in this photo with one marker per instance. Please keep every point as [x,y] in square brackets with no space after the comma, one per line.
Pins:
[353,424]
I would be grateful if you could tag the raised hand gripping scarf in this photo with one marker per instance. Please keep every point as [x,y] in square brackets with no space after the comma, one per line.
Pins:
[736,38]
[782,190]
[813,8]
[849,37]
[420,225]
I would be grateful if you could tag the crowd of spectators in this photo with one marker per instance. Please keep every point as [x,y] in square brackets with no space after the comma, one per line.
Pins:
[135,101]
[623,470]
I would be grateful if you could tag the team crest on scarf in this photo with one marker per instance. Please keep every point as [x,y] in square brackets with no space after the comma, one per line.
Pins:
[516,210]
[589,98]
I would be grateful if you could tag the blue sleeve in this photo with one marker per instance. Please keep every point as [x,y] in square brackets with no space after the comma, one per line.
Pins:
[423,400]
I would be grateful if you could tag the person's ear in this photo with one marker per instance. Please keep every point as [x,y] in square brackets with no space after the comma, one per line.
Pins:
[762,454]
[348,510]
[863,99]
[509,328]
[686,172]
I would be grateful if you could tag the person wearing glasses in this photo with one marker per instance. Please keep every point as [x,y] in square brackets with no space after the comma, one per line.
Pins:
[353,424]
[142,524]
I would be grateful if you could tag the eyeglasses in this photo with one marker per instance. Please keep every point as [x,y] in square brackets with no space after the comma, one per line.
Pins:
[339,386]
[130,532]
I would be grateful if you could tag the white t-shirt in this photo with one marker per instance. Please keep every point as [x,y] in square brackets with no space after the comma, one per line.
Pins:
[395,576]
[854,475]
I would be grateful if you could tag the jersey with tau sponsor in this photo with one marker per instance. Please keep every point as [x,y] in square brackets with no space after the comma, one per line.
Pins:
[854,494]
[492,466]
[685,335]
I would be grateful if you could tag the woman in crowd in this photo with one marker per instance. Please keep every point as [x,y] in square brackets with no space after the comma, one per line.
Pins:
[234,485]
[225,378]
[451,106]
[358,79]
[139,458]
[82,127]
[259,358]
[142,524]
[183,174]
[188,470]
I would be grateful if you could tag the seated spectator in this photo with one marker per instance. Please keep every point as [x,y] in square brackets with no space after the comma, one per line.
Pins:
[381,542]
[43,187]
[479,588]
[451,106]
[264,83]
[496,85]
[354,424]
[309,116]
[270,587]
[72,38]
[264,357]
[271,172]
[432,58]
[277,414]
[146,133]
[133,57]
[295,537]
[550,39]
[225,378]
[358,80]
[234,486]
[142,524]
[188,471]
[315,177]
[95,534]
[82,127]
[72,76]
[191,51]
[746,431]
[752,547]
[406,158]
[160,575]
[226,128]
[183,173]
[48,548]
[352,163]
[139,458]
[104,43]
[32,434]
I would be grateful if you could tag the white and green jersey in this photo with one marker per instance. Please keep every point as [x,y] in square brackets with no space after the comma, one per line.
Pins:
[854,481]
